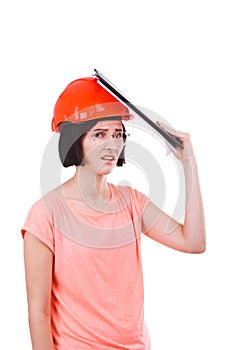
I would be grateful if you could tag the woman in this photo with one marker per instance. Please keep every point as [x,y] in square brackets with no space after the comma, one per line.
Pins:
[82,240]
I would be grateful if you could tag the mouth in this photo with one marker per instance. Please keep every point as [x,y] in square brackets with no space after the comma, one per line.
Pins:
[109,158]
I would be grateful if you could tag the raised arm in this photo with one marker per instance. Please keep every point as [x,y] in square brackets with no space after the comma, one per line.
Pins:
[190,236]
[38,269]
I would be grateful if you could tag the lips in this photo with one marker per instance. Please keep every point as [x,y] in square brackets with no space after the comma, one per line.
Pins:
[108,157]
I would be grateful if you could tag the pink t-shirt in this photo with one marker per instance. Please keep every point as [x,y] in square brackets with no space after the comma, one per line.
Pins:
[97,290]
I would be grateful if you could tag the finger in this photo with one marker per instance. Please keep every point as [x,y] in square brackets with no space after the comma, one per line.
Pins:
[184,136]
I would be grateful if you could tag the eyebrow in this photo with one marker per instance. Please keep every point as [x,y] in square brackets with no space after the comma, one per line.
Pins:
[101,129]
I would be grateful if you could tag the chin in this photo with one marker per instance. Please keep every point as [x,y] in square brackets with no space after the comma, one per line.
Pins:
[105,170]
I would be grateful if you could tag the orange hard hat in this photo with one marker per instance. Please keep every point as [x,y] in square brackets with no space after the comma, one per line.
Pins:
[85,99]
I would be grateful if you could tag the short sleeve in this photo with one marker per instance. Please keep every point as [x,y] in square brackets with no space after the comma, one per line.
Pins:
[141,199]
[39,223]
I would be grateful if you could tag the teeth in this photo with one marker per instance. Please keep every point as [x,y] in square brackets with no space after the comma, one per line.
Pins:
[108,158]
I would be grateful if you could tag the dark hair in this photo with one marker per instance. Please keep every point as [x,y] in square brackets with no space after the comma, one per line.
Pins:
[70,142]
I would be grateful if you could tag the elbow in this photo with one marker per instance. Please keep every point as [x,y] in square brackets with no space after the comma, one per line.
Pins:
[197,249]
[196,243]
[203,247]
[36,314]
[38,318]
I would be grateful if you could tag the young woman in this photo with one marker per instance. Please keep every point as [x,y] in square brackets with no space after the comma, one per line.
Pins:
[82,240]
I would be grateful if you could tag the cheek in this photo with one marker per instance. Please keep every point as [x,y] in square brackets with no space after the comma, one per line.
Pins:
[120,148]
[87,146]
[90,150]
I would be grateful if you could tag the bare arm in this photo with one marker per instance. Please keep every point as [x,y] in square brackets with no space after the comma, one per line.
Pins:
[38,269]
[189,237]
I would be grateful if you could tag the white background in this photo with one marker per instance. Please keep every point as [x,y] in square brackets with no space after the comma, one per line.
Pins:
[175,58]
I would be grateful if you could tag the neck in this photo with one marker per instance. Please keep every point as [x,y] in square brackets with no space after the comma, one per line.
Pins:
[90,185]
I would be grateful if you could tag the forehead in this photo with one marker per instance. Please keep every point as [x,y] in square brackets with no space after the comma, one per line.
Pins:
[108,124]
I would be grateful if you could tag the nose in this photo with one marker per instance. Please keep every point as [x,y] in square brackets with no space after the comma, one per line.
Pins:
[111,143]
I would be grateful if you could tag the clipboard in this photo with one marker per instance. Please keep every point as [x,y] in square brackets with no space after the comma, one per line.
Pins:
[173,140]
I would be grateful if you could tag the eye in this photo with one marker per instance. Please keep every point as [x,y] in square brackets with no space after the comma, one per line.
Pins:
[118,135]
[99,134]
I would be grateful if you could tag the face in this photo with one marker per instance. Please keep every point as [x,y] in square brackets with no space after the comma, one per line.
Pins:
[102,146]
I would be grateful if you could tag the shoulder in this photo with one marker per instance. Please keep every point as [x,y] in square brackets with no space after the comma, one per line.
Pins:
[44,205]
[135,196]
[39,220]
[125,189]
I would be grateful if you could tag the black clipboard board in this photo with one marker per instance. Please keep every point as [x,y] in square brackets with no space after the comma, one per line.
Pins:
[173,140]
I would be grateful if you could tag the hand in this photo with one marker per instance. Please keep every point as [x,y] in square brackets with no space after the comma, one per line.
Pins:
[182,154]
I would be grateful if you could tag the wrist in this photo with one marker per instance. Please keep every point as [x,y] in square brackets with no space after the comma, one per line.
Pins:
[188,159]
